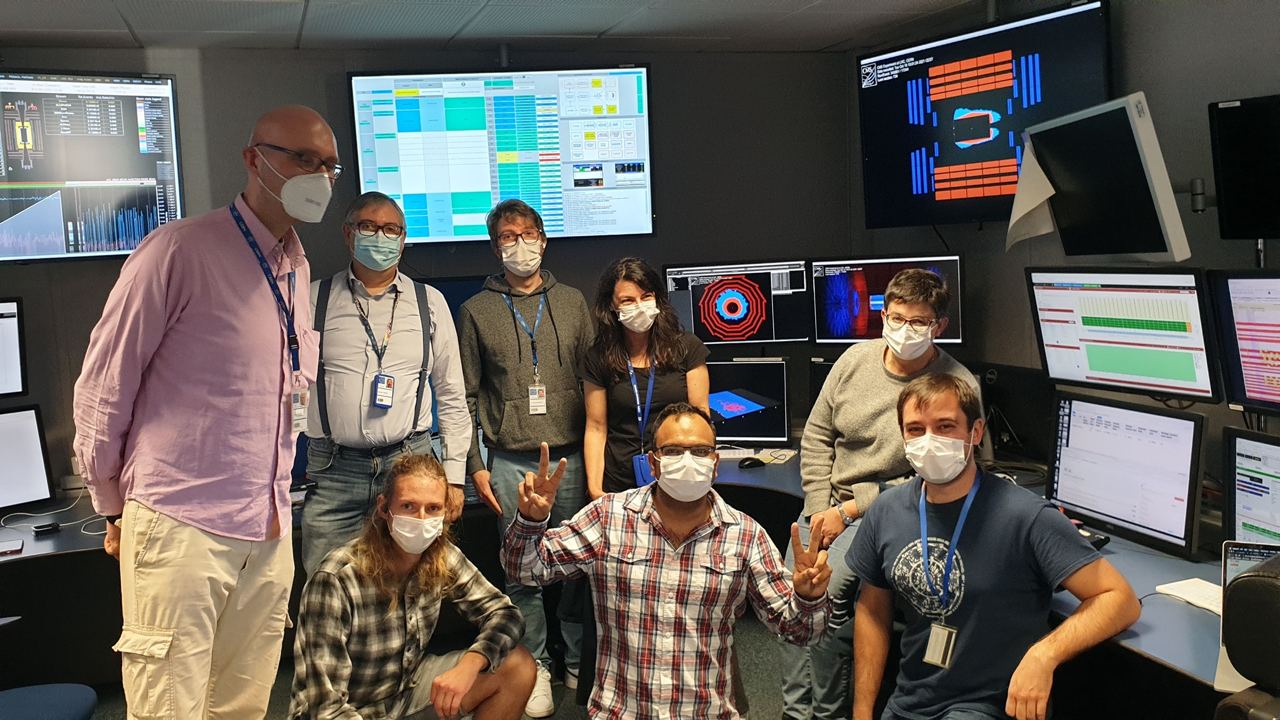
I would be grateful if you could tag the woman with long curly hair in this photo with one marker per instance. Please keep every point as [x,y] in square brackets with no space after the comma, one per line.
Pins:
[640,361]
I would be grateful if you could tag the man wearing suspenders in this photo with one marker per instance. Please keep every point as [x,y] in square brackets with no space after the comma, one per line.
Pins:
[382,336]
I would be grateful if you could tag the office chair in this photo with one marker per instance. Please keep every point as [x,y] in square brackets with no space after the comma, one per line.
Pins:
[1251,633]
[61,701]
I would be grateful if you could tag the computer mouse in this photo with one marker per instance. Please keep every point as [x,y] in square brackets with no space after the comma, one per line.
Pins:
[750,462]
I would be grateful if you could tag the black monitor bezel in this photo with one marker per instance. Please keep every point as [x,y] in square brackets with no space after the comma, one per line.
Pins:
[22,350]
[177,152]
[44,452]
[1218,160]
[957,294]
[1206,322]
[1228,346]
[1230,435]
[555,67]
[786,401]
[1099,521]
[731,343]
[1108,84]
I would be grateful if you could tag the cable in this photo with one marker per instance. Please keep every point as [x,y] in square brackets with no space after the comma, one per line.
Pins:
[1144,597]
[4,520]
[944,240]
[88,520]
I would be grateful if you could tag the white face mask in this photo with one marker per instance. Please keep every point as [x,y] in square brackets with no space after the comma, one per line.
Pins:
[906,343]
[415,535]
[521,258]
[938,459]
[638,317]
[304,197]
[686,478]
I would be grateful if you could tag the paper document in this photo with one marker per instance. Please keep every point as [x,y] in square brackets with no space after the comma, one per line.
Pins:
[1031,216]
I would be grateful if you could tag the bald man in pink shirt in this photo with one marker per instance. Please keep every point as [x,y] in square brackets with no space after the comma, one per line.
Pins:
[187,410]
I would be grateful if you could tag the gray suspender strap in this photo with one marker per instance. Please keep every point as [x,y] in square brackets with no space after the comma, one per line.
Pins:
[322,309]
[424,315]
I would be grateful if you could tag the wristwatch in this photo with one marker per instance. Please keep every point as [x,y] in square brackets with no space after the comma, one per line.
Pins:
[843,516]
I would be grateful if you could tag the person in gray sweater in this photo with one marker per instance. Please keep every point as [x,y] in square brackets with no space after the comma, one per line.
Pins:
[851,447]
[522,339]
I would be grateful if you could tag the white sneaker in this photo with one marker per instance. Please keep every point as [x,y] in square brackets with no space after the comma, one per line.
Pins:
[541,704]
[570,679]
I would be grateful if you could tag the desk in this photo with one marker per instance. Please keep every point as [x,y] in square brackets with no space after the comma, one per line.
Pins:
[66,540]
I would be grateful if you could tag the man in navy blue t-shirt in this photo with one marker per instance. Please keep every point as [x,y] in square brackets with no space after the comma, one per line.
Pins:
[977,603]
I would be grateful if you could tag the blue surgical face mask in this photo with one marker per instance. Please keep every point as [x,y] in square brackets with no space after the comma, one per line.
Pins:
[378,252]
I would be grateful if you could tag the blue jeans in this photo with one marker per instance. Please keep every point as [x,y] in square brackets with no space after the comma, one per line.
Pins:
[506,472]
[964,713]
[346,485]
[816,680]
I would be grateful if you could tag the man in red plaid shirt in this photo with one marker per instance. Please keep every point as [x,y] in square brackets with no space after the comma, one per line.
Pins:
[671,566]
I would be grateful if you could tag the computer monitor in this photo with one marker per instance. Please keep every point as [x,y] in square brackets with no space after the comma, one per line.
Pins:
[1247,313]
[26,477]
[742,302]
[89,165]
[1128,469]
[1238,557]
[1112,199]
[1126,329]
[942,120]
[749,401]
[1252,483]
[848,295]
[456,290]
[13,368]
[1246,151]
[574,144]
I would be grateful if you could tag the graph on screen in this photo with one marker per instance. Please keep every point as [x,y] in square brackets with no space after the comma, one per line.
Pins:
[749,302]
[1138,332]
[1255,314]
[1257,491]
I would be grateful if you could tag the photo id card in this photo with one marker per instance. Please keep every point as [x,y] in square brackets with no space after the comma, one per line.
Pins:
[384,389]
[298,399]
[941,645]
[537,399]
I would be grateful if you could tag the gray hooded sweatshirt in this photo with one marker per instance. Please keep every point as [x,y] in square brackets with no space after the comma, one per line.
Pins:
[497,365]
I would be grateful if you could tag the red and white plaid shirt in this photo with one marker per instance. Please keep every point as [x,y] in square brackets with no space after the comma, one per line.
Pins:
[665,613]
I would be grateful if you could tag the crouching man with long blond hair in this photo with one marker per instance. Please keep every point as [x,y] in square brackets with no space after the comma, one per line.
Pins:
[370,609]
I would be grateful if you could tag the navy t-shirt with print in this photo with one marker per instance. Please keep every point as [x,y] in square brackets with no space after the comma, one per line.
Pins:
[1015,548]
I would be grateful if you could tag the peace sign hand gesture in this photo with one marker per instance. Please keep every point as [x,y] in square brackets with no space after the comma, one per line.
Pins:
[538,491]
[812,571]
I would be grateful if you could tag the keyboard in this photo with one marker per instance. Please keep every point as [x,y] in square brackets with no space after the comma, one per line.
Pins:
[736,453]
[1201,593]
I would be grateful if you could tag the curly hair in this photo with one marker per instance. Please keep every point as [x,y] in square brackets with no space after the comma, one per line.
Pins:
[665,346]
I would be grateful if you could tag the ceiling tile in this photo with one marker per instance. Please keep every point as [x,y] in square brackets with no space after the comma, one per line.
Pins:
[501,21]
[217,39]
[63,38]
[95,15]
[201,16]
[367,23]
[695,19]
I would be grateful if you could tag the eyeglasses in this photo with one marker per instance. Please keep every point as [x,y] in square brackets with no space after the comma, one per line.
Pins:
[700,451]
[530,237]
[369,228]
[307,161]
[896,321]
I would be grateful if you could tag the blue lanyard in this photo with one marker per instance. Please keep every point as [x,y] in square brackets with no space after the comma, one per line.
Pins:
[641,419]
[945,595]
[378,352]
[533,339]
[286,312]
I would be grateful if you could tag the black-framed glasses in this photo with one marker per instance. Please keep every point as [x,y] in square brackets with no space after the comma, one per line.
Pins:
[369,228]
[700,451]
[896,321]
[531,236]
[307,161]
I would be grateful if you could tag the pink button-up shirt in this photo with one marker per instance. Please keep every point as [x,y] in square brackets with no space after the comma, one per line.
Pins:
[183,403]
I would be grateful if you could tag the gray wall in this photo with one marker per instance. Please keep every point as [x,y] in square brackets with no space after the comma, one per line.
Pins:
[751,161]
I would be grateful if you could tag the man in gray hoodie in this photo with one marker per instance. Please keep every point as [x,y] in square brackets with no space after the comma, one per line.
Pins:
[522,339]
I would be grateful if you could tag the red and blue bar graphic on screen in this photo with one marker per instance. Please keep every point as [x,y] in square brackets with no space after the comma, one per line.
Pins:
[974,75]
[972,180]
[730,404]
[732,308]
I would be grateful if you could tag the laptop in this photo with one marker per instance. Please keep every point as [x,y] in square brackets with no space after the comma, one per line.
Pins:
[1237,556]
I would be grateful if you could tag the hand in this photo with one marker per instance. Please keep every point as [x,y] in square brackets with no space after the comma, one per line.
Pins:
[455,502]
[111,543]
[538,492]
[450,687]
[812,571]
[832,525]
[480,479]
[1029,686]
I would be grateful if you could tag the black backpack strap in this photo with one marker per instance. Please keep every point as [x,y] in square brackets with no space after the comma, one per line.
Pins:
[424,315]
[322,309]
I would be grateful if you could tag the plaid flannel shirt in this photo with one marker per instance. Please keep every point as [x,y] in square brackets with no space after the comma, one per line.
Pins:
[354,657]
[665,614]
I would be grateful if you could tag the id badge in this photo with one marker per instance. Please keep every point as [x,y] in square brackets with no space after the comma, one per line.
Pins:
[941,646]
[384,389]
[298,400]
[537,399]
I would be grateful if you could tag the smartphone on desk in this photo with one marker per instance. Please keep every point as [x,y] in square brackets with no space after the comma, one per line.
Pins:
[10,547]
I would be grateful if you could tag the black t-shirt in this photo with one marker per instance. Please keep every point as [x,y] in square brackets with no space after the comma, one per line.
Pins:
[623,440]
